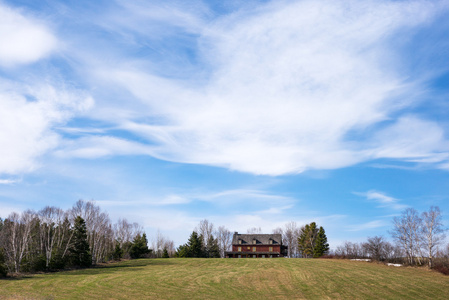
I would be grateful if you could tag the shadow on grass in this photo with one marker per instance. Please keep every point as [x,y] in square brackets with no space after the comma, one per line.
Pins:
[15,277]
[128,266]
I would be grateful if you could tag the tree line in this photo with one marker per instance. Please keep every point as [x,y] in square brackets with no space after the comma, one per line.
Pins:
[417,239]
[206,241]
[52,239]
[306,241]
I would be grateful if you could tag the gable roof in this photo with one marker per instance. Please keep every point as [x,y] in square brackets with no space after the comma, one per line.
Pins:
[263,239]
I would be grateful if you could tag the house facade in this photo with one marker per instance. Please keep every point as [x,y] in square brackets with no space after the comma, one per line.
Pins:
[256,246]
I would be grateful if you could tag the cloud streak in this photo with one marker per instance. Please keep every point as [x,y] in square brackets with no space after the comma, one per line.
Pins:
[383,200]
[278,89]
[290,87]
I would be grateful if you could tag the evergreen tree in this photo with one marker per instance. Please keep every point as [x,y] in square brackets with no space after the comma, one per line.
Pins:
[80,252]
[118,252]
[312,242]
[165,254]
[213,250]
[139,246]
[182,251]
[321,246]
[3,269]
[195,245]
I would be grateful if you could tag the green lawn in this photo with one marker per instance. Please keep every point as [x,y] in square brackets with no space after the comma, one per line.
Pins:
[232,278]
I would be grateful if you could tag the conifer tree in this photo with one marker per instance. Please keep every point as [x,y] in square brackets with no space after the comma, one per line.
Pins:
[165,253]
[118,252]
[195,245]
[139,246]
[3,269]
[213,250]
[312,242]
[182,251]
[80,252]
[321,247]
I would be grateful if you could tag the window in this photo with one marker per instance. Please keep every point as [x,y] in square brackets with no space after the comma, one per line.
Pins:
[240,242]
[254,256]
[270,249]
[263,256]
[254,249]
[248,248]
[240,256]
[240,249]
[254,241]
[271,241]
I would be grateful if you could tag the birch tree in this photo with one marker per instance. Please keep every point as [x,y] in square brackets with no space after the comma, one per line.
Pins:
[432,231]
[50,230]
[224,237]
[290,237]
[18,236]
[205,229]
[407,233]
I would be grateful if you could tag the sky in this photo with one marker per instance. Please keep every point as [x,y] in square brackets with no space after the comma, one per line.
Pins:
[246,113]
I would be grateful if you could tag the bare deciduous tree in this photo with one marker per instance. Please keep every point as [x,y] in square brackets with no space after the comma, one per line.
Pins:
[205,229]
[254,230]
[432,231]
[224,237]
[407,233]
[290,237]
[17,231]
[51,230]
[123,232]
[99,229]
[160,243]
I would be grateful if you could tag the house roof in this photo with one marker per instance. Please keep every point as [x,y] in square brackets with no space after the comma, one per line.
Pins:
[261,239]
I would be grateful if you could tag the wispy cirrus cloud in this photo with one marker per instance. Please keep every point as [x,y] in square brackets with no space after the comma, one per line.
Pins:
[369,225]
[280,89]
[383,200]
[8,181]
[28,113]
[32,101]
[275,89]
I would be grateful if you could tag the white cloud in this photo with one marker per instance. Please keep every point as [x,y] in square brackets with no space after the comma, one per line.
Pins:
[413,139]
[383,200]
[92,147]
[289,85]
[369,225]
[272,90]
[23,40]
[154,201]
[27,114]
[8,181]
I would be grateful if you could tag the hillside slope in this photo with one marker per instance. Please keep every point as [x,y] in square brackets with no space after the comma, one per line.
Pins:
[232,278]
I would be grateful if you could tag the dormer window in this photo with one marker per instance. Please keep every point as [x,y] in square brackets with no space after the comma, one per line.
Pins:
[254,241]
[240,241]
[271,242]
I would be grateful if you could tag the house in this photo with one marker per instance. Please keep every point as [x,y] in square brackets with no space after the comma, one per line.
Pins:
[256,245]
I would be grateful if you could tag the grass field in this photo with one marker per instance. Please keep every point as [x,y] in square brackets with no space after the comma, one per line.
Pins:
[232,278]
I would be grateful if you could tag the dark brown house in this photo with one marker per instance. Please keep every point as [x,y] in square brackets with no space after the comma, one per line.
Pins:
[256,245]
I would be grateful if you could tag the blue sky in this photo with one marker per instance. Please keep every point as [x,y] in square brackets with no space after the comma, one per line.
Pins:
[247,113]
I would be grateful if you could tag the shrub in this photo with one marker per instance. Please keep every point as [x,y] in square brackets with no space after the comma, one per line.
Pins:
[442,266]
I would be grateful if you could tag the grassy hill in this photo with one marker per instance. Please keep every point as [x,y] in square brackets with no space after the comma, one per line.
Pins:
[232,278]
